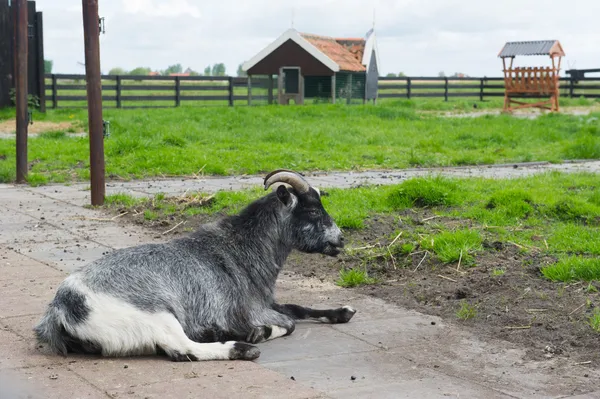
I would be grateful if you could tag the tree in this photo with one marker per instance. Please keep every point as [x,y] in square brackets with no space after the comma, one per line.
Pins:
[140,71]
[401,74]
[48,64]
[442,74]
[192,72]
[117,71]
[390,75]
[177,68]
[218,69]
[240,71]
[207,71]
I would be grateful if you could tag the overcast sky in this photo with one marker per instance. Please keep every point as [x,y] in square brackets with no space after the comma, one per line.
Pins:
[417,37]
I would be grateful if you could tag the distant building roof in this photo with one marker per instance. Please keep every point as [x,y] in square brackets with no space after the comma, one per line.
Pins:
[347,53]
[337,54]
[538,47]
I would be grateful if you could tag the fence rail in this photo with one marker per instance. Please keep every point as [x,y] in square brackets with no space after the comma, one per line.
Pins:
[126,91]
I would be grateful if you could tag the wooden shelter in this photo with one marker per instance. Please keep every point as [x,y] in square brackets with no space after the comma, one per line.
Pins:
[532,82]
[315,66]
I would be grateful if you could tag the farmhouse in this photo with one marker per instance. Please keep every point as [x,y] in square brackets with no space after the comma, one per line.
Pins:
[319,67]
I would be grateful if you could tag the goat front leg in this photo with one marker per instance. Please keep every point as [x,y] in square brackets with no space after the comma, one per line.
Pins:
[268,324]
[332,316]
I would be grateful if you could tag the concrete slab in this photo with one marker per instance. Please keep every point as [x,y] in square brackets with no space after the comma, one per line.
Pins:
[311,341]
[255,384]
[49,382]
[26,297]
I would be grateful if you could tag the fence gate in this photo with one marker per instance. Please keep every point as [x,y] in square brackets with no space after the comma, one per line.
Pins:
[35,56]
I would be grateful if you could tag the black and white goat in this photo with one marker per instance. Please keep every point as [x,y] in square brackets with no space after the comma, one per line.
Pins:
[207,296]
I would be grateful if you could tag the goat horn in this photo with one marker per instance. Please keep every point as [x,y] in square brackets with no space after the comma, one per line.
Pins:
[287,176]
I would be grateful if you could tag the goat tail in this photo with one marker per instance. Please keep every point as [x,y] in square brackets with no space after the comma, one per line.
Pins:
[51,330]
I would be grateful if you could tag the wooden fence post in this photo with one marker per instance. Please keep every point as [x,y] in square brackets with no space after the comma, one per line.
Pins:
[270,92]
[249,90]
[445,89]
[39,33]
[54,92]
[231,91]
[481,89]
[571,86]
[408,88]
[177,91]
[119,91]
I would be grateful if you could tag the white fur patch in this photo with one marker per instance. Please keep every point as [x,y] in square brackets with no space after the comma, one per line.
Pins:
[277,332]
[348,308]
[121,329]
[317,190]
[333,233]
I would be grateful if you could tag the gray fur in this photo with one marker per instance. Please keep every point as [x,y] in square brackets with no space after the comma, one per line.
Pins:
[218,282]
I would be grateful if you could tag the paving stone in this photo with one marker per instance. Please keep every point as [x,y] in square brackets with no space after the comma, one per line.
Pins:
[257,383]
[66,255]
[435,387]
[334,372]
[310,342]
[15,233]
[56,382]
[416,328]
[26,297]
[19,352]
[114,374]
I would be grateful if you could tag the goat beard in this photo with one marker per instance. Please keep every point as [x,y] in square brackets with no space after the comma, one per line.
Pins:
[331,250]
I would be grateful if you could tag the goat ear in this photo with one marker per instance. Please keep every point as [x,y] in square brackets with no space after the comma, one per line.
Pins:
[284,195]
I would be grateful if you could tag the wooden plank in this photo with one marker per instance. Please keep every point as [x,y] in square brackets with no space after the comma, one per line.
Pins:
[168,88]
[205,98]
[205,88]
[82,98]
[391,87]
[147,98]
[83,87]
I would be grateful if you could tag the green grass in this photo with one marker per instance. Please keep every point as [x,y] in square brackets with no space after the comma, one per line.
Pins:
[236,140]
[353,278]
[595,320]
[452,246]
[466,311]
[572,268]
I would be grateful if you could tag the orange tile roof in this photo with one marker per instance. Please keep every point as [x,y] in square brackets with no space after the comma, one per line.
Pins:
[347,53]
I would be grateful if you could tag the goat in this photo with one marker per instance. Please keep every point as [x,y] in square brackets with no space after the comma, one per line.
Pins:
[205,296]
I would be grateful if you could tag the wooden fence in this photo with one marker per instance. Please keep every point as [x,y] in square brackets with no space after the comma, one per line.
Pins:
[125,91]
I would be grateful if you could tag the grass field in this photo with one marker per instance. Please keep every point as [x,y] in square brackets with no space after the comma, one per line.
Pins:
[235,140]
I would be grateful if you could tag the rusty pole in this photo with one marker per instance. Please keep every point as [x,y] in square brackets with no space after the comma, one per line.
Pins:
[21,87]
[91,34]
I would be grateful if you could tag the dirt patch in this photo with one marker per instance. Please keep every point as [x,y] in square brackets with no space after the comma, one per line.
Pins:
[504,289]
[9,126]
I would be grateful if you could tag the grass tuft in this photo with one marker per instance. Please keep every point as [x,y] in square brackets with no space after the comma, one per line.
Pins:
[516,203]
[584,148]
[353,278]
[122,199]
[423,192]
[573,268]
[452,246]
[595,320]
[466,311]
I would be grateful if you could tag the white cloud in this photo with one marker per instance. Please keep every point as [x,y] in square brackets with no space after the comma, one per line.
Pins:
[418,37]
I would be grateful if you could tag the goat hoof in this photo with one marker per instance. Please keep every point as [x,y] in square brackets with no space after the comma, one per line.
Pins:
[344,314]
[259,334]
[243,351]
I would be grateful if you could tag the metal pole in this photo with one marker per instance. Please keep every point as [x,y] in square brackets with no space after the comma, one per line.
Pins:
[91,33]
[21,87]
